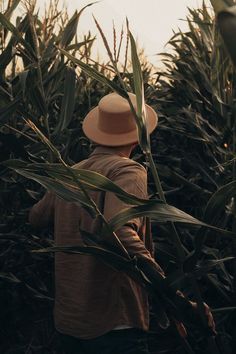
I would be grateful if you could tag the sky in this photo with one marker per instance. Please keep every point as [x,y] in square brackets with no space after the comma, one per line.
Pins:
[151,21]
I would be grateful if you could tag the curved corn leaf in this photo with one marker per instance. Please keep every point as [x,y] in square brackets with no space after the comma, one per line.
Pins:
[90,179]
[161,212]
[156,210]
[96,181]
[63,180]
[61,190]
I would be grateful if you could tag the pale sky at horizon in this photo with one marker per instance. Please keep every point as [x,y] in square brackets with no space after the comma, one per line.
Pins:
[151,21]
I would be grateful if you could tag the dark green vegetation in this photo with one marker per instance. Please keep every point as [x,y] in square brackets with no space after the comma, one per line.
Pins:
[193,149]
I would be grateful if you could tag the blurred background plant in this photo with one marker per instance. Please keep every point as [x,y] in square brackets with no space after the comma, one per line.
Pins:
[193,149]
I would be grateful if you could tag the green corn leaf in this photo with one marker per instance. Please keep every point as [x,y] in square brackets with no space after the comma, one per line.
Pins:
[215,208]
[60,190]
[218,201]
[9,277]
[96,181]
[68,101]
[90,179]
[8,13]
[44,139]
[224,309]
[35,94]
[10,27]
[90,71]
[111,243]
[139,92]
[154,209]
[71,28]
[9,109]
[69,31]
[23,78]
[77,46]
[31,36]
[161,212]
[209,265]
[6,55]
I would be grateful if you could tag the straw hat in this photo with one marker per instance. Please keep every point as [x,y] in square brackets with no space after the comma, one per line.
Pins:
[112,123]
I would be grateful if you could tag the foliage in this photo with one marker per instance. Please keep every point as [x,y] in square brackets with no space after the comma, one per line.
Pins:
[194,97]
[194,150]
[33,79]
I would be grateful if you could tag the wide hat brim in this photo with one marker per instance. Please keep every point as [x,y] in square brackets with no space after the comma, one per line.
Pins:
[92,131]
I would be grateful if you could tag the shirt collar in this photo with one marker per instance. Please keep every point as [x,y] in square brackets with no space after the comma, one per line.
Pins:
[105,150]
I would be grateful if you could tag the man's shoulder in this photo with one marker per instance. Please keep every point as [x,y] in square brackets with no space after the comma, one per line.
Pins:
[113,160]
[132,163]
[122,165]
[113,166]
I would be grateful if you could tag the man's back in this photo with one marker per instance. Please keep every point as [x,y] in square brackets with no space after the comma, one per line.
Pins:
[91,298]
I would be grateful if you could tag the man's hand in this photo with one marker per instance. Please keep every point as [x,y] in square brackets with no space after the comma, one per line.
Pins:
[210,319]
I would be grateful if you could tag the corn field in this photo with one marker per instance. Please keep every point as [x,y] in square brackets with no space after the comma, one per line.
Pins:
[48,83]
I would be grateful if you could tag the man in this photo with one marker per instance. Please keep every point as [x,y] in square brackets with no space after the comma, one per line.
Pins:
[99,310]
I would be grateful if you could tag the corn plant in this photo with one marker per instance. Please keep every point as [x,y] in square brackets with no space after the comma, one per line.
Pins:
[196,101]
[42,115]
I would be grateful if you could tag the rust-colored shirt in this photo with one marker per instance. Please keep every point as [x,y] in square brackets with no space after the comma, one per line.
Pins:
[92,298]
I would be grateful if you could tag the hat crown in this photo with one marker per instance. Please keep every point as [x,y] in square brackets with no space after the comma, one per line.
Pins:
[112,123]
[114,103]
[114,114]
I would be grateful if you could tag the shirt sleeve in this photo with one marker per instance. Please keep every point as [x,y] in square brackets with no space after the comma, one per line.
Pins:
[42,213]
[133,179]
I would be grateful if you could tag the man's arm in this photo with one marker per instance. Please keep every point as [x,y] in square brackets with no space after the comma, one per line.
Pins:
[42,213]
[132,179]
